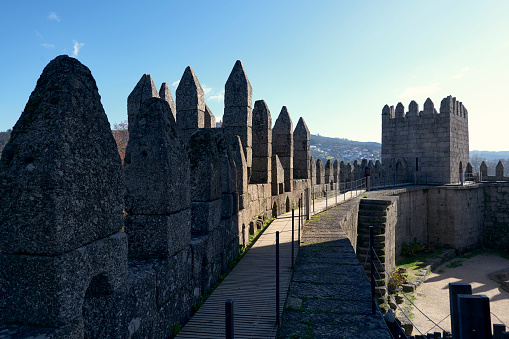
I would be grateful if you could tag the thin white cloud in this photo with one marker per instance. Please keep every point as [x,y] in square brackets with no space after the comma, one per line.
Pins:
[461,73]
[206,89]
[48,45]
[53,16]
[413,92]
[218,97]
[76,48]
[175,84]
[39,35]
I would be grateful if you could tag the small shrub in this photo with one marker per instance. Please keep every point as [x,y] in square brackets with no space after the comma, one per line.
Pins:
[415,247]
[399,277]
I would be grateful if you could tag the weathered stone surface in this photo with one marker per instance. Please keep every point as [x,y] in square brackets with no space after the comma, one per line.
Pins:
[49,291]
[278,177]
[205,216]
[73,330]
[413,109]
[499,170]
[190,105]
[209,118]
[144,89]
[156,165]
[238,90]
[400,110]
[262,143]
[301,147]
[240,165]
[158,236]
[429,107]
[282,145]
[60,174]
[205,165]
[165,94]
[336,169]
[189,93]
[172,274]
[141,300]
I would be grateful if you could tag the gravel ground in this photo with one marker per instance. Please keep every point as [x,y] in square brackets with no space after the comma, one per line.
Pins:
[432,297]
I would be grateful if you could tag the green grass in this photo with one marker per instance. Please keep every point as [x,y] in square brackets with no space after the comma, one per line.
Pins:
[418,261]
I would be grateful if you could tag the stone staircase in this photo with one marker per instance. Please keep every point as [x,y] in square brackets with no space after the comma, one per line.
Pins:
[372,212]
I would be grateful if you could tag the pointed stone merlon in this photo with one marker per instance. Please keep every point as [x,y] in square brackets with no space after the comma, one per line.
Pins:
[312,170]
[156,172]
[400,110]
[144,89]
[328,172]
[335,170]
[262,144]
[469,171]
[483,169]
[278,176]
[429,108]
[209,118]
[342,171]
[165,94]
[238,115]
[499,170]
[413,109]
[282,145]
[301,153]
[60,224]
[320,172]
[190,104]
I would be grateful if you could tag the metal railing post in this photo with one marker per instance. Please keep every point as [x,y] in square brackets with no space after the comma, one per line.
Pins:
[313,199]
[372,259]
[229,319]
[293,232]
[326,194]
[298,235]
[277,277]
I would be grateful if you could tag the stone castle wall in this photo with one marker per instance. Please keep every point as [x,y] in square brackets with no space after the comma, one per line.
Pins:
[426,145]
[93,248]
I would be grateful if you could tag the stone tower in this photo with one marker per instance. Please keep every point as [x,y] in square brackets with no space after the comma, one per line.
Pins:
[426,146]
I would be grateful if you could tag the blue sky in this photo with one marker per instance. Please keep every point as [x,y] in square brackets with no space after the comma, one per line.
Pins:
[335,63]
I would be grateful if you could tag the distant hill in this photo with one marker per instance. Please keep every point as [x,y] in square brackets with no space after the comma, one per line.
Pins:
[343,149]
[348,151]
[4,138]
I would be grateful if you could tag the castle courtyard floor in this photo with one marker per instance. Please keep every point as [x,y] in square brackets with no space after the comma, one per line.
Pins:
[432,297]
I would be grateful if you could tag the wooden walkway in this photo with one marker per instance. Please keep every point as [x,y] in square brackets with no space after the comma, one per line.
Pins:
[252,285]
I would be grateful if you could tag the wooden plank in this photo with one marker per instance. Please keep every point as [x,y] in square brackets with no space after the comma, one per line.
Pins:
[252,285]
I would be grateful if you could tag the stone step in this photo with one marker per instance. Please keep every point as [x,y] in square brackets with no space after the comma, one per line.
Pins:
[361,251]
[372,219]
[375,202]
[369,207]
[372,212]
[363,227]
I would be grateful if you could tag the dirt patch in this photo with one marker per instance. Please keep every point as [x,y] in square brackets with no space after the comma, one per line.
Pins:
[432,297]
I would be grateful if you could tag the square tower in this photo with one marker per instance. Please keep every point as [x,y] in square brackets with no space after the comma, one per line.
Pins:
[425,146]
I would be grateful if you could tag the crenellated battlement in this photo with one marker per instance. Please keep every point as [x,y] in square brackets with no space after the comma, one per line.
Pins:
[427,141]
[449,106]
